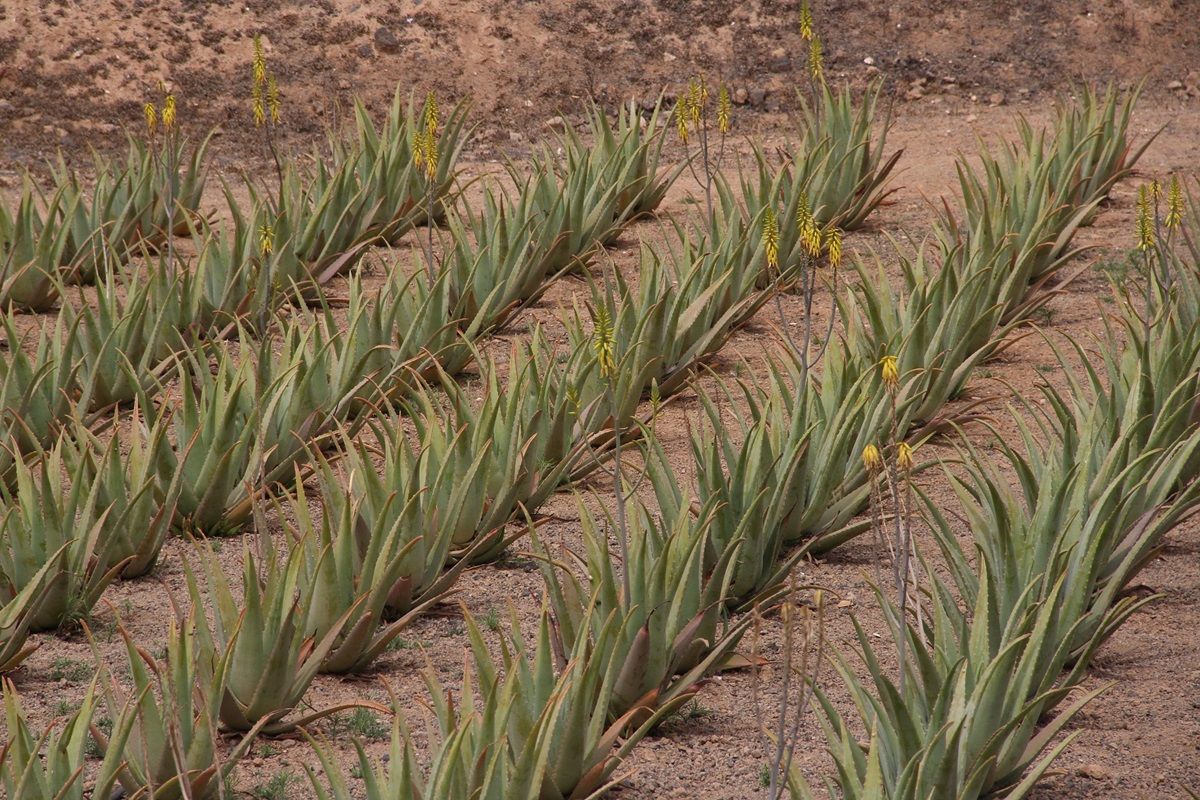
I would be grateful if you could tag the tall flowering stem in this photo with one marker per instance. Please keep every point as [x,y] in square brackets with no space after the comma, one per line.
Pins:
[265,104]
[425,153]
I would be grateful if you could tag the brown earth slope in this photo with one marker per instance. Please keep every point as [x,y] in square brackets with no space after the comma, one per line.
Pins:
[73,71]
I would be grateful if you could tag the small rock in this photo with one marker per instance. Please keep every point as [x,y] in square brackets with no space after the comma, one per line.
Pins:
[996,98]
[343,85]
[669,57]
[949,79]
[649,102]
[972,117]
[265,41]
[386,41]
[515,137]
[1095,771]
[106,128]
[555,123]
[870,62]
[915,93]
[1175,85]
[365,50]
[758,96]
[741,96]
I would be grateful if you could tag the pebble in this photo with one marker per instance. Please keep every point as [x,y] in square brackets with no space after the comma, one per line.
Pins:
[1175,85]
[555,123]
[741,96]
[996,98]
[1095,771]
[386,41]
[758,96]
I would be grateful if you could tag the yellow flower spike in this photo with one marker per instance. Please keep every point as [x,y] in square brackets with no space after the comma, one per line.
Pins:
[256,105]
[682,116]
[655,395]
[168,114]
[266,239]
[603,341]
[816,60]
[810,234]
[1145,220]
[430,114]
[273,104]
[431,156]
[872,460]
[418,148]
[770,235]
[806,21]
[1155,190]
[810,237]
[904,457]
[696,93]
[259,63]
[1174,218]
[889,371]
[723,110]
[151,115]
[833,246]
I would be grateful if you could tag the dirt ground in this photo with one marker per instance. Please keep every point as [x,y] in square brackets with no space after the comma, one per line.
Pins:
[74,72]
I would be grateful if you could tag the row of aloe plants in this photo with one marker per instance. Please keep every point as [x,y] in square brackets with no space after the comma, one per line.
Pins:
[991,679]
[789,467]
[664,334]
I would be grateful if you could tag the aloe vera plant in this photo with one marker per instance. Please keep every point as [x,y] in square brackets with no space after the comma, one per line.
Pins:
[229,282]
[965,724]
[46,524]
[262,643]
[132,201]
[836,171]
[496,260]
[685,307]
[16,615]
[1013,206]
[119,342]
[630,152]
[46,765]
[404,331]
[304,391]
[1092,148]
[523,729]
[573,206]
[32,245]
[38,389]
[164,743]
[381,550]
[381,163]
[942,324]
[662,631]
[215,455]
[139,509]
